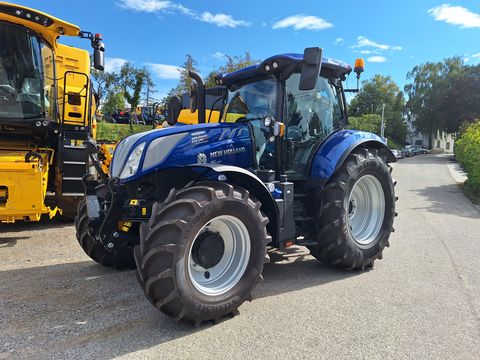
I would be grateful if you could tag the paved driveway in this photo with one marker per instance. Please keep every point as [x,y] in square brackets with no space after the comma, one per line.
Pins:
[421,301]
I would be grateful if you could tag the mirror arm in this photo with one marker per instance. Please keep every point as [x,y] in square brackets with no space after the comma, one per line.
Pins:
[200,95]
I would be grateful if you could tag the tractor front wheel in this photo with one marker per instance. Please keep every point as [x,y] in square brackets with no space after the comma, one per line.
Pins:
[202,251]
[120,258]
[358,208]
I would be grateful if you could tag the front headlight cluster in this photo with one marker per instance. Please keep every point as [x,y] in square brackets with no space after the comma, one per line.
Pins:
[133,161]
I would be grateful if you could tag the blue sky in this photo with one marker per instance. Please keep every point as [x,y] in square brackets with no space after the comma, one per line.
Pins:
[391,36]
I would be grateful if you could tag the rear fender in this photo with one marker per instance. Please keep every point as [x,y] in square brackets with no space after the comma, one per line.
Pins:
[334,150]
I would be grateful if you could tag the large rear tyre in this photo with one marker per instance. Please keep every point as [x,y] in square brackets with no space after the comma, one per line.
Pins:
[356,217]
[202,251]
[121,258]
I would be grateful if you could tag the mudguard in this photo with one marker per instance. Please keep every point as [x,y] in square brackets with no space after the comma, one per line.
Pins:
[335,148]
[248,181]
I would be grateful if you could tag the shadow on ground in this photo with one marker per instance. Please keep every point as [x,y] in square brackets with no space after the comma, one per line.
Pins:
[70,308]
[447,199]
[44,223]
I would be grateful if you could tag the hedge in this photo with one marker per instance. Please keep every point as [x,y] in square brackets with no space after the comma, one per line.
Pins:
[115,132]
[467,152]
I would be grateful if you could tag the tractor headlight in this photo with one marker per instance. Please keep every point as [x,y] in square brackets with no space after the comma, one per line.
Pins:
[133,162]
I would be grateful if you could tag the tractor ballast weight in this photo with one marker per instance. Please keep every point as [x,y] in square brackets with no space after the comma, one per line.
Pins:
[194,207]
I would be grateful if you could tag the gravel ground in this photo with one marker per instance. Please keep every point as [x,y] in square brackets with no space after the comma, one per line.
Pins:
[421,301]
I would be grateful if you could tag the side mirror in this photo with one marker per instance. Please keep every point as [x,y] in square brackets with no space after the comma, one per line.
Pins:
[174,107]
[312,64]
[99,56]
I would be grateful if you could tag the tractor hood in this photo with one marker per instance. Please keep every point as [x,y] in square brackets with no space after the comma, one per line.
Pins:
[182,145]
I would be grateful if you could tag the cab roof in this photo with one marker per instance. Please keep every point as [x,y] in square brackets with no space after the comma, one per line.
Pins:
[49,27]
[335,68]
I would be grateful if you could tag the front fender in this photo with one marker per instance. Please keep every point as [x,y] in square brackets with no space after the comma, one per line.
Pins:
[335,148]
[248,181]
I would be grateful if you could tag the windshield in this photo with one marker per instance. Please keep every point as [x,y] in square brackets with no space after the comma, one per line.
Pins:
[22,94]
[252,101]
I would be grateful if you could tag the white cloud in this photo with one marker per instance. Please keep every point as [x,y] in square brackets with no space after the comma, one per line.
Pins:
[368,52]
[219,55]
[149,6]
[476,55]
[164,71]
[362,41]
[303,22]
[221,20]
[377,59]
[157,6]
[113,64]
[455,15]
[339,41]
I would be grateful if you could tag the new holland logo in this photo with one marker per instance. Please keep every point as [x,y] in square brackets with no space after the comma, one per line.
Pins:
[201,158]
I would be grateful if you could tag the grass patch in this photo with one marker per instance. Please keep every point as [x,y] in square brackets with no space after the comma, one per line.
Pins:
[116,132]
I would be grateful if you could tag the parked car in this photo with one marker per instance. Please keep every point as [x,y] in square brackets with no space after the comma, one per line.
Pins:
[398,154]
[417,150]
[121,117]
[408,151]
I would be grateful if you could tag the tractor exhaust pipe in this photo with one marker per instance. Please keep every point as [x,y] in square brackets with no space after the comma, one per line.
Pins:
[197,96]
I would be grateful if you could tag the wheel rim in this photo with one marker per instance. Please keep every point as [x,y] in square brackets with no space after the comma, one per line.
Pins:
[223,273]
[366,209]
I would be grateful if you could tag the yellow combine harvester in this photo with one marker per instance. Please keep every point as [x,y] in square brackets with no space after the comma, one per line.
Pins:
[47,111]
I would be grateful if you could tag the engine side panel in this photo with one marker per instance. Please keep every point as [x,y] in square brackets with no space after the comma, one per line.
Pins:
[228,144]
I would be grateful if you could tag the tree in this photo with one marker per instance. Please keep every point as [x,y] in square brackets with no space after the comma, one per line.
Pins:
[459,104]
[113,101]
[150,89]
[103,82]
[131,81]
[367,122]
[427,94]
[374,94]
[233,63]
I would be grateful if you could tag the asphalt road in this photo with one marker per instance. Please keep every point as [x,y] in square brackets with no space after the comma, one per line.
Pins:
[421,301]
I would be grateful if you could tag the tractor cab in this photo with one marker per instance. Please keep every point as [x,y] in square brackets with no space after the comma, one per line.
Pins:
[269,96]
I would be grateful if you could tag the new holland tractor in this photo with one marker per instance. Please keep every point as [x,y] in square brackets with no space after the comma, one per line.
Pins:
[194,207]
[47,110]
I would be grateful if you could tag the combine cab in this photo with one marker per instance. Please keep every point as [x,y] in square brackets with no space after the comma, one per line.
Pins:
[47,111]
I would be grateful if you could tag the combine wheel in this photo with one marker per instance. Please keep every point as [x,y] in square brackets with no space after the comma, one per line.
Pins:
[357,214]
[202,251]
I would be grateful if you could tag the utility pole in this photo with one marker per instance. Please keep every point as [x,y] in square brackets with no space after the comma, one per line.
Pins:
[382,128]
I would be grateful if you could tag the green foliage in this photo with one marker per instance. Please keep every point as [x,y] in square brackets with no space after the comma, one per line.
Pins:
[374,93]
[114,100]
[467,151]
[368,122]
[443,95]
[115,132]
[233,63]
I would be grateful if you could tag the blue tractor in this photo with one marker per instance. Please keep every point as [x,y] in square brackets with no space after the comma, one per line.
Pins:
[194,207]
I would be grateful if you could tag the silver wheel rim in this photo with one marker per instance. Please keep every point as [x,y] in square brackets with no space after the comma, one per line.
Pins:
[231,267]
[366,209]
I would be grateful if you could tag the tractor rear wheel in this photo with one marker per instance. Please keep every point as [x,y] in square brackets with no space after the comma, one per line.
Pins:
[120,258]
[202,251]
[356,217]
